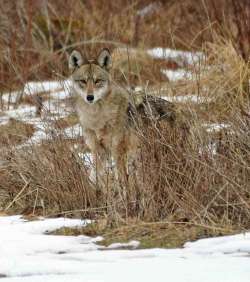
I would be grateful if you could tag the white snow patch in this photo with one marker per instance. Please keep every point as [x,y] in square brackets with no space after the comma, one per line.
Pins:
[215,127]
[26,254]
[239,243]
[34,87]
[73,131]
[23,112]
[55,108]
[57,89]
[4,120]
[180,57]
[60,86]
[187,98]
[209,148]
[131,245]
[44,133]
[11,97]
[148,10]
[175,75]
[61,94]
[87,159]
[64,93]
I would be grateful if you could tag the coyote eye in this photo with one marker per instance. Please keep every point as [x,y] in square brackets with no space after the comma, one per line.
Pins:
[99,82]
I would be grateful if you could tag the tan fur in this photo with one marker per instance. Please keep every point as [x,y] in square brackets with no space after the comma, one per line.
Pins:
[105,121]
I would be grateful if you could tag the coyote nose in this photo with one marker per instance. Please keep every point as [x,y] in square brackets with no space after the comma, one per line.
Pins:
[90,98]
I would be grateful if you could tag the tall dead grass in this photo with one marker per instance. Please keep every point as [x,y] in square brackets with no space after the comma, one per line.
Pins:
[36,35]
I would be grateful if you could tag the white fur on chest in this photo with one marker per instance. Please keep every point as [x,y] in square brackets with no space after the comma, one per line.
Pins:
[97,116]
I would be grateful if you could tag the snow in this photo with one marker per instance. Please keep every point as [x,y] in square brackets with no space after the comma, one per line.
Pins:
[4,120]
[148,10]
[42,133]
[175,75]
[28,253]
[61,94]
[215,127]
[130,245]
[11,97]
[187,99]
[55,109]
[23,113]
[180,57]
[86,158]
[239,243]
[34,87]
[211,148]
[73,131]
[58,89]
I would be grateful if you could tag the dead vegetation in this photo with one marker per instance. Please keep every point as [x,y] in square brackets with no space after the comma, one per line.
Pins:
[189,172]
[15,132]
[35,36]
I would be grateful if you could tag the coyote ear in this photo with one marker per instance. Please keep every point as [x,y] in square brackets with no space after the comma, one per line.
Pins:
[75,60]
[104,59]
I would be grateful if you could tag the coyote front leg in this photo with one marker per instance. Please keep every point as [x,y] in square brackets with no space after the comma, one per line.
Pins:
[99,157]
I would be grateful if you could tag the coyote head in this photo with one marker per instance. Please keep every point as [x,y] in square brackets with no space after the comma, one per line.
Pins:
[91,78]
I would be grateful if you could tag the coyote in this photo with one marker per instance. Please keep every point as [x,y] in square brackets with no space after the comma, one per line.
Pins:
[107,112]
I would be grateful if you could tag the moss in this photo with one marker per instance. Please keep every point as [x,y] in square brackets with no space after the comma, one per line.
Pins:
[150,235]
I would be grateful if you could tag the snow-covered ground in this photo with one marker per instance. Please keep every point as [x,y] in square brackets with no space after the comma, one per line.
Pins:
[174,75]
[183,58]
[27,253]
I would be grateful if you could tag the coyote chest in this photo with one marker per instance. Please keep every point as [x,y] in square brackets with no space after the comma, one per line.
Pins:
[103,122]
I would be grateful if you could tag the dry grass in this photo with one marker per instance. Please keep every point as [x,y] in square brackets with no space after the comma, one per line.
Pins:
[194,176]
[35,36]
[15,132]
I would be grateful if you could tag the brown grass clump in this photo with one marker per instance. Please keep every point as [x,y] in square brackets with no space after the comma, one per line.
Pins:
[232,78]
[133,67]
[15,132]
[44,178]
[221,80]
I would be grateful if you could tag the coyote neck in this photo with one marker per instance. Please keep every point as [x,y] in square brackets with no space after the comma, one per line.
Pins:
[108,112]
